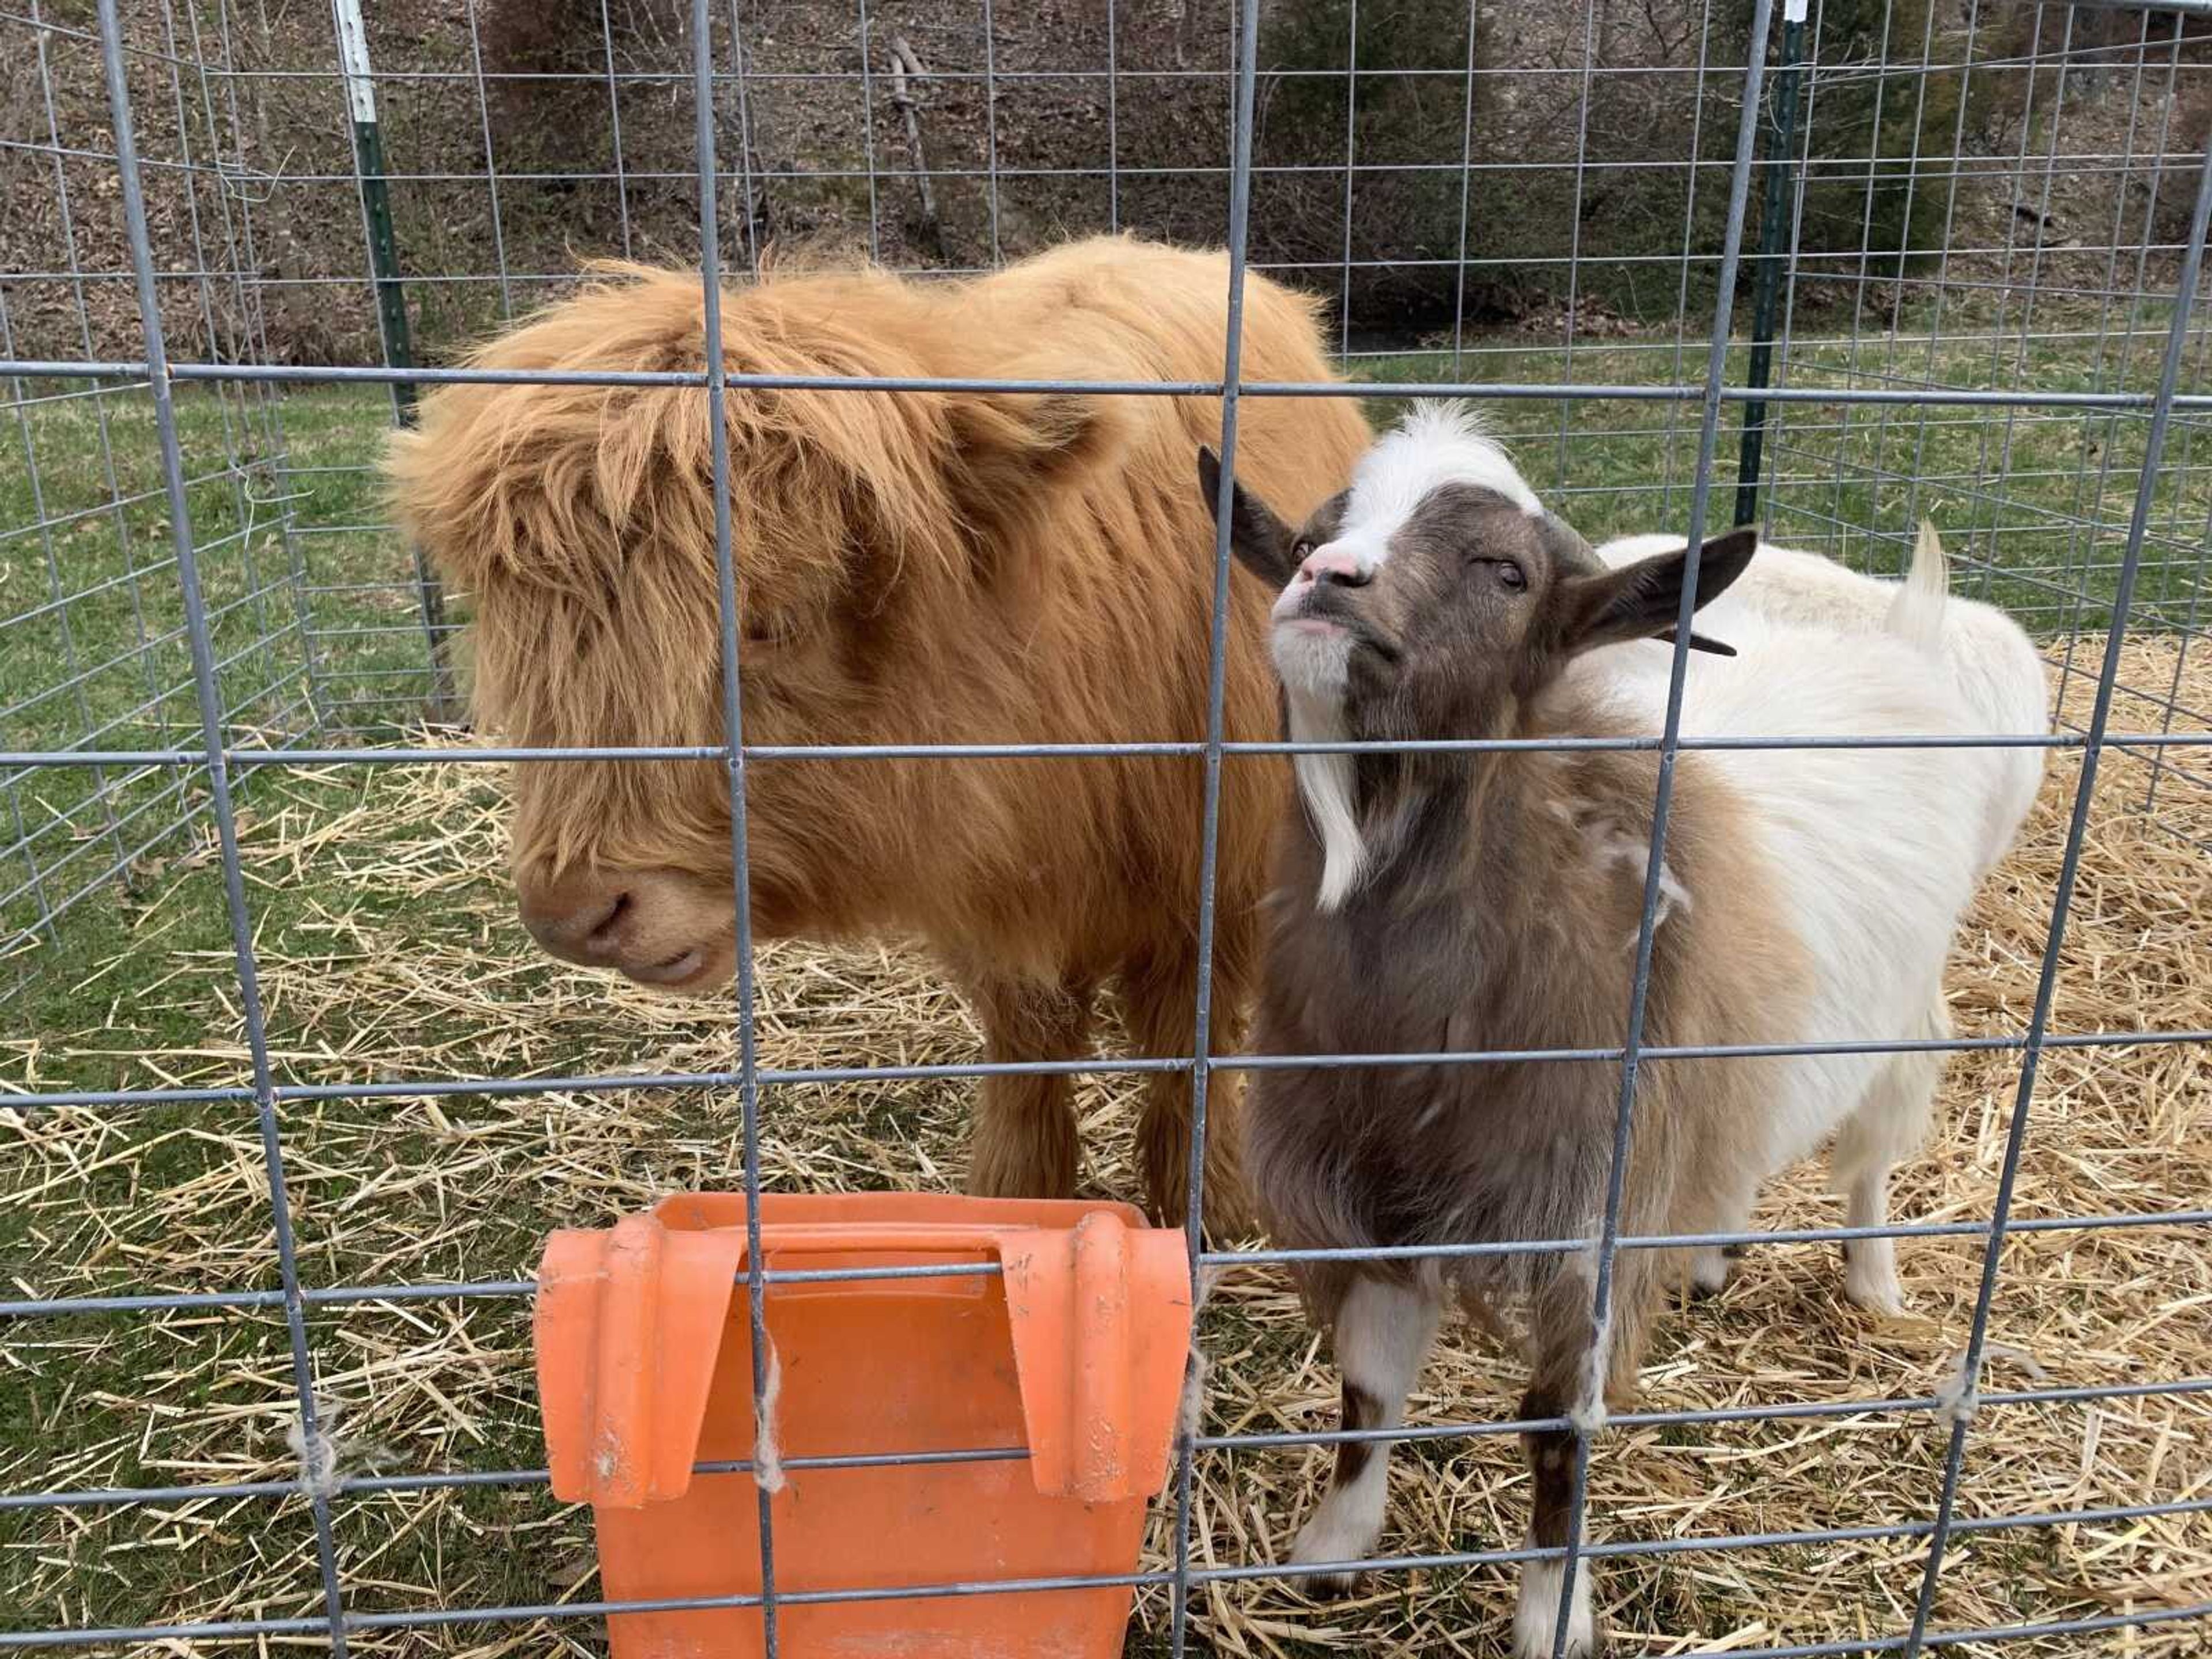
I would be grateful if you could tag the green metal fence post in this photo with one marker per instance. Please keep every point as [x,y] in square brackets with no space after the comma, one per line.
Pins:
[391,326]
[1773,223]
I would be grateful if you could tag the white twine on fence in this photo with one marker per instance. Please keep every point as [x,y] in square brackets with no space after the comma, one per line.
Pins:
[1959,1396]
[318,1452]
[1588,1414]
[1196,1369]
[768,1451]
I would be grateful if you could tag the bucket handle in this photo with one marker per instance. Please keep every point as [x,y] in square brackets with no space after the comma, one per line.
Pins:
[628,1324]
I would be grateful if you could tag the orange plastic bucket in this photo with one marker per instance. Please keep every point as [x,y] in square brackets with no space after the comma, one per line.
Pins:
[1074,1350]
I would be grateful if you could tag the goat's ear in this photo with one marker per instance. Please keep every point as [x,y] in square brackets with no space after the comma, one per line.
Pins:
[1261,541]
[1643,600]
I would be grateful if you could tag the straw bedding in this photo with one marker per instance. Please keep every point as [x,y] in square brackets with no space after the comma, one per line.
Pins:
[388,949]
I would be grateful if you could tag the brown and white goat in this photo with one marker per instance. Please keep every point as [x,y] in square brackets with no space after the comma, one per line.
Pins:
[941,567]
[1437,902]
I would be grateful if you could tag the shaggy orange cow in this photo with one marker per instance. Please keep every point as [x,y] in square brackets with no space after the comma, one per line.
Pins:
[943,566]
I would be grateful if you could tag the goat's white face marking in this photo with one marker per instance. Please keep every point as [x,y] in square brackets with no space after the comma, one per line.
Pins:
[1436,444]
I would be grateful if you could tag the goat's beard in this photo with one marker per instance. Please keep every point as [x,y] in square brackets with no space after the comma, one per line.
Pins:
[1313,666]
[1315,669]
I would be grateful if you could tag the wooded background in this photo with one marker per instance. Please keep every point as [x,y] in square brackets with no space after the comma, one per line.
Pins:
[523,137]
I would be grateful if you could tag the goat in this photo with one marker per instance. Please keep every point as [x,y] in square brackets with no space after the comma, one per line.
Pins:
[950,567]
[1997,670]
[1463,902]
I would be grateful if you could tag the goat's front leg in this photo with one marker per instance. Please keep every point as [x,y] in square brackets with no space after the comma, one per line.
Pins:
[1573,1375]
[1535,1615]
[1711,1264]
[1024,1141]
[1383,1333]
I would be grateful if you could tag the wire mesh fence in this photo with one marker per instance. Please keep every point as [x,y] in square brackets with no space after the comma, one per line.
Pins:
[1845,266]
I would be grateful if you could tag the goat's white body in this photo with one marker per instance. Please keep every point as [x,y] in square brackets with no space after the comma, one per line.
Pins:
[1992,663]
[1824,652]
[1875,850]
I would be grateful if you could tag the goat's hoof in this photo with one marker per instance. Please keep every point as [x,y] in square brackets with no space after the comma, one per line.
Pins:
[1535,1615]
[1329,1586]
[1882,1296]
[1585,1646]
[1327,1538]
[1710,1269]
[1870,1282]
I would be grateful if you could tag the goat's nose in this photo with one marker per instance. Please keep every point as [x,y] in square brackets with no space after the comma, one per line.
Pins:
[576,925]
[1335,563]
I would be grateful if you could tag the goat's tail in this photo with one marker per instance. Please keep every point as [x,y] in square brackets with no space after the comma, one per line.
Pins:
[1916,613]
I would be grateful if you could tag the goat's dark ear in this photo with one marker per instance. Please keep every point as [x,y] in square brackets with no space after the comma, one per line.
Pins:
[1643,600]
[1261,541]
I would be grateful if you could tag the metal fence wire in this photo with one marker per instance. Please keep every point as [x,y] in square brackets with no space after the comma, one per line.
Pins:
[1905,258]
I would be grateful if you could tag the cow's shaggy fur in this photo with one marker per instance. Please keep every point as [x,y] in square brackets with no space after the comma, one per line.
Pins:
[937,566]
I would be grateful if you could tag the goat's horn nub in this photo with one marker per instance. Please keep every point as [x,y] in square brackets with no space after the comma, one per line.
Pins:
[1699,642]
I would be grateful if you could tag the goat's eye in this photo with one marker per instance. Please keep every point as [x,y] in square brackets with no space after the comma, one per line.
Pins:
[1509,576]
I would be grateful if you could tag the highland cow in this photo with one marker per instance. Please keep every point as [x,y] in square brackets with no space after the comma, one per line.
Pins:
[939,567]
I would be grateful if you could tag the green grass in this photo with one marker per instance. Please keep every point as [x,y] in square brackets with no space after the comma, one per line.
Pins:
[311,624]
[121,626]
